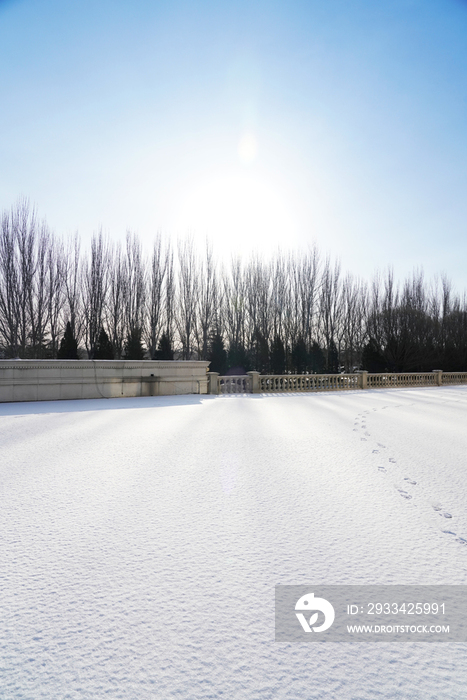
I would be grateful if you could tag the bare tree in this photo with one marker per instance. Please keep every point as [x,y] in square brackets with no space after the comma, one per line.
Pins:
[55,291]
[9,287]
[354,311]
[170,296]
[330,305]
[74,281]
[258,299]
[96,281]
[207,300]
[156,291]
[135,284]
[280,290]
[116,300]
[38,292]
[24,232]
[308,288]
[188,291]
[234,303]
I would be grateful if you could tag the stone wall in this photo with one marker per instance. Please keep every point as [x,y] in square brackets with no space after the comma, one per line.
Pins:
[50,380]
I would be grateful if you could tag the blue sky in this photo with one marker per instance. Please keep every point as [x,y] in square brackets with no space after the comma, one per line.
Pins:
[257,123]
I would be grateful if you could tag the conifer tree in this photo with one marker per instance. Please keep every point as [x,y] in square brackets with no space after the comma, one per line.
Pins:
[372,358]
[164,348]
[277,356]
[217,355]
[104,348]
[133,349]
[333,359]
[317,360]
[68,346]
[299,357]
[260,353]
[237,359]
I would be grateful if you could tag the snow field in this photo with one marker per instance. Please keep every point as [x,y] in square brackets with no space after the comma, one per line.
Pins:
[141,540]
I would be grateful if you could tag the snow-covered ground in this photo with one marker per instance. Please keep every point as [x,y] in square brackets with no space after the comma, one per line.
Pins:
[141,540]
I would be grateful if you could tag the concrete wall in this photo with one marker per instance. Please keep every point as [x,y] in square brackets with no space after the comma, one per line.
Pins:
[49,380]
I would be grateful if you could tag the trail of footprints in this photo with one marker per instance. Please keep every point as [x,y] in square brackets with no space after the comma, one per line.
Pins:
[403,489]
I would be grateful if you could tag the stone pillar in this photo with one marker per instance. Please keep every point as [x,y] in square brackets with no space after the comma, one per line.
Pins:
[364,379]
[213,383]
[254,378]
[439,376]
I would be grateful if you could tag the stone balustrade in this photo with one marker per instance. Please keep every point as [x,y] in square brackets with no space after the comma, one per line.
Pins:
[235,384]
[454,378]
[254,382]
[308,382]
[399,380]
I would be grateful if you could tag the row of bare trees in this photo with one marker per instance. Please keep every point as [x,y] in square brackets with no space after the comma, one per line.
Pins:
[293,312]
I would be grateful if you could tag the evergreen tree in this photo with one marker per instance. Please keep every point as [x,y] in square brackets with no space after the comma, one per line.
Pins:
[277,356]
[260,353]
[299,357]
[133,349]
[317,359]
[104,348]
[164,348]
[372,358]
[237,359]
[333,359]
[217,355]
[68,346]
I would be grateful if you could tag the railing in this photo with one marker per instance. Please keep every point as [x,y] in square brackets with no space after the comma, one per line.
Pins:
[398,380]
[235,384]
[254,382]
[454,377]
[307,382]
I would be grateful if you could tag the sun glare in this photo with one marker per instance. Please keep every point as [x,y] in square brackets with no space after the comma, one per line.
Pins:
[247,148]
[237,212]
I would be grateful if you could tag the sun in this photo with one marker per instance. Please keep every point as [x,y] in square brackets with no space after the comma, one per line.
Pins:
[247,148]
[239,211]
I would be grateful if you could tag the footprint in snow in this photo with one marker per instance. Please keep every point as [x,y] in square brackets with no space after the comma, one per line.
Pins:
[391,459]
[380,445]
[403,493]
[376,452]
[461,540]
[382,469]
[367,433]
[412,483]
[363,439]
[438,508]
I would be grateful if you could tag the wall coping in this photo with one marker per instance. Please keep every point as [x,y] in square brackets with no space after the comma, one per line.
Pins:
[112,364]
